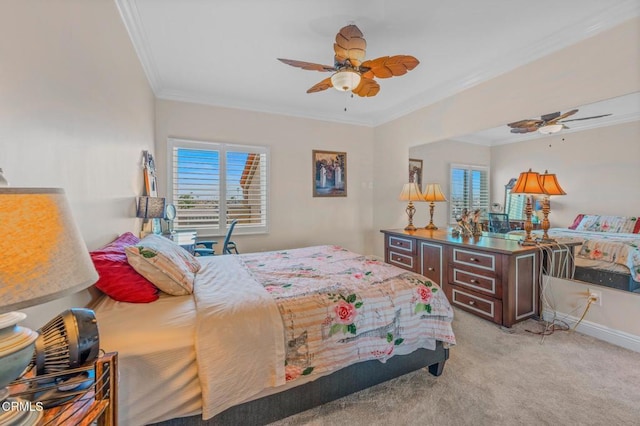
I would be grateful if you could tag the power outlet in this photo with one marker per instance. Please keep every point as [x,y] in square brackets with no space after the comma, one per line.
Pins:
[596,296]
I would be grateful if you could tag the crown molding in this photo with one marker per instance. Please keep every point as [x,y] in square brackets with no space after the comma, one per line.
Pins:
[625,10]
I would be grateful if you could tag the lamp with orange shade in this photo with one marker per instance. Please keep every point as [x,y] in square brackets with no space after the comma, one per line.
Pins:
[433,193]
[410,192]
[43,258]
[528,183]
[551,187]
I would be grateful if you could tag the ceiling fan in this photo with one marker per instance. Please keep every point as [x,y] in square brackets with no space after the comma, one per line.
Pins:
[548,123]
[350,69]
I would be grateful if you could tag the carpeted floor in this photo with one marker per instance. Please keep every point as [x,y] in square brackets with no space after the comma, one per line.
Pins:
[502,377]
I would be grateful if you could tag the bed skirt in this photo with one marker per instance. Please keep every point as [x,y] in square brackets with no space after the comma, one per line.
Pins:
[325,389]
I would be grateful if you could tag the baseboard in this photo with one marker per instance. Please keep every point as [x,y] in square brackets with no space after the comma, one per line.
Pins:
[610,335]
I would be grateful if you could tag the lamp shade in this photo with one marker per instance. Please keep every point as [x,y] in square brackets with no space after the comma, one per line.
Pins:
[150,207]
[432,192]
[528,183]
[345,80]
[411,192]
[550,184]
[43,255]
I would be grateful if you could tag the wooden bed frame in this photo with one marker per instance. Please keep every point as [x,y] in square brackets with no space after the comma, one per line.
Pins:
[325,389]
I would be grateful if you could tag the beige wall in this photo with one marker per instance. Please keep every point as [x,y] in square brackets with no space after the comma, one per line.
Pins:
[587,72]
[599,170]
[75,112]
[584,73]
[296,218]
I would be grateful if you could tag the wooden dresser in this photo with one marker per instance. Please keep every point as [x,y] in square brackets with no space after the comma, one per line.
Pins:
[493,278]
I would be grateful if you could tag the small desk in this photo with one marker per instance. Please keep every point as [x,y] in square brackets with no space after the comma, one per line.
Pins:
[185,239]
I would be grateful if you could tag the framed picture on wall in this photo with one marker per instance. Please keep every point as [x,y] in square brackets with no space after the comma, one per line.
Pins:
[415,171]
[329,174]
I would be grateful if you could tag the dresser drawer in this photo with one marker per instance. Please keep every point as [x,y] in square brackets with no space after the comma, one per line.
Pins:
[402,260]
[406,245]
[480,260]
[483,306]
[482,283]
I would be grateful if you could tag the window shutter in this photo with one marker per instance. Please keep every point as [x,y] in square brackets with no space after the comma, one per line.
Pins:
[200,172]
[469,190]
[196,188]
[246,187]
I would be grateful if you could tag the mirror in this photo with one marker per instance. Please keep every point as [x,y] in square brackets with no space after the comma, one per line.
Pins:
[170,216]
[596,162]
[513,203]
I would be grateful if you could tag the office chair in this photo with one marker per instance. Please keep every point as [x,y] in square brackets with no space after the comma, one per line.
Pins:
[499,223]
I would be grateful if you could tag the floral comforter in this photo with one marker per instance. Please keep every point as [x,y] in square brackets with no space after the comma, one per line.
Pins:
[618,248]
[339,307]
[266,319]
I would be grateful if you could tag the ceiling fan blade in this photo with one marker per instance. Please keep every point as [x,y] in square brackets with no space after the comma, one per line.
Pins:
[350,45]
[388,66]
[586,118]
[307,65]
[548,117]
[319,87]
[562,116]
[367,88]
[524,129]
[525,123]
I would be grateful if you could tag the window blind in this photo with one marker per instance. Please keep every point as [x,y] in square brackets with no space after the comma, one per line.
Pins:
[469,190]
[212,184]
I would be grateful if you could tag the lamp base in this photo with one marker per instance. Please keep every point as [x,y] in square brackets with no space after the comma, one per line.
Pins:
[431,226]
[410,228]
[528,243]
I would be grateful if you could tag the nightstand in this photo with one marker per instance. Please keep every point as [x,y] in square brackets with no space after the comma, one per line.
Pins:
[95,405]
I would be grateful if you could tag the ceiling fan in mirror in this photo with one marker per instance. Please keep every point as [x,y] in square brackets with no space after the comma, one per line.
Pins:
[548,123]
[350,69]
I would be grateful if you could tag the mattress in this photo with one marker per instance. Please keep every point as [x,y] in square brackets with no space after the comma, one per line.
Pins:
[157,358]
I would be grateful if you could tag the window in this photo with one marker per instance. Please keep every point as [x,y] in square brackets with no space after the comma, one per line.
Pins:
[199,172]
[469,190]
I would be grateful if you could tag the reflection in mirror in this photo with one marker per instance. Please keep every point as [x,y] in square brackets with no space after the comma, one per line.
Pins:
[513,203]
[595,157]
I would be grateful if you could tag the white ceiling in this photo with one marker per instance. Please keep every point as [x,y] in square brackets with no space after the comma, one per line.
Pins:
[223,52]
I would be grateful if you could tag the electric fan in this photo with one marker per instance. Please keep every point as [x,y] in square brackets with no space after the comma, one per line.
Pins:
[68,341]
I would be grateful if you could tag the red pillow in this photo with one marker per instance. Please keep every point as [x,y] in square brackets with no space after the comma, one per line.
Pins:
[576,221]
[117,279]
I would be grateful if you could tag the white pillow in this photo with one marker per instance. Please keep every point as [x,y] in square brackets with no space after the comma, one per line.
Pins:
[167,265]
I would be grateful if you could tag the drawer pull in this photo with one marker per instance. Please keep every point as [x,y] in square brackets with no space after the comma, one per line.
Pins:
[430,269]
[472,281]
[472,302]
[473,259]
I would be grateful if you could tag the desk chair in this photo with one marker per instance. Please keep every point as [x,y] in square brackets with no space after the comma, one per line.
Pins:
[499,223]
[205,248]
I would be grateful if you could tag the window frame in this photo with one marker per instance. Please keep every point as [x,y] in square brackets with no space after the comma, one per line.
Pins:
[223,148]
[469,168]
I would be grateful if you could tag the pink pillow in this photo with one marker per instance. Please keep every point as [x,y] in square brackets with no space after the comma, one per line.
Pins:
[576,221]
[117,279]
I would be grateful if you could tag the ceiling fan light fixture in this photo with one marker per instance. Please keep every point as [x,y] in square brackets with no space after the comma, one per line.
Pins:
[550,129]
[345,80]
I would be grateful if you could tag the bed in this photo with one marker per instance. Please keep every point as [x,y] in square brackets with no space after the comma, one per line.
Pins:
[266,335]
[609,250]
